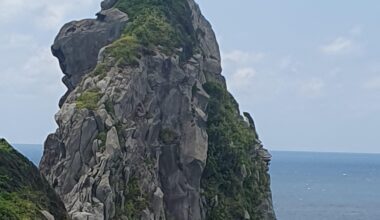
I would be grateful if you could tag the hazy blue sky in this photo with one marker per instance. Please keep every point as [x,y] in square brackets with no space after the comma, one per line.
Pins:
[308,71]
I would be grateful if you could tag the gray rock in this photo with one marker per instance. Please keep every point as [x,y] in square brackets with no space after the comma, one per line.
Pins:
[158,203]
[147,215]
[107,4]
[112,142]
[148,135]
[104,189]
[265,155]
[246,215]
[47,215]
[78,44]
[243,172]
[84,215]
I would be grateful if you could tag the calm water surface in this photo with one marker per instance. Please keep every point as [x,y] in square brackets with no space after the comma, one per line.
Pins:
[326,186]
[313,186]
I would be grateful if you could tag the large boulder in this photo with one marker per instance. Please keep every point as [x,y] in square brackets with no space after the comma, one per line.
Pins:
[78,44]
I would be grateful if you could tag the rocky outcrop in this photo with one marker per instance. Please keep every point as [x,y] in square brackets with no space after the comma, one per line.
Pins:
[85,39]
[24,192]
[133,138]
[107,4]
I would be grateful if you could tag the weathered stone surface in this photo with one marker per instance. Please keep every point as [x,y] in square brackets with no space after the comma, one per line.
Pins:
[144,147]
[47,215]
[78,44]
[246,215]
[210,48]
[112,142]
[157,204]
[107,4]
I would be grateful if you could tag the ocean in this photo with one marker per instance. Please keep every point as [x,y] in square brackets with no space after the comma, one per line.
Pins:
[326,186]
[313,186]
[32,151]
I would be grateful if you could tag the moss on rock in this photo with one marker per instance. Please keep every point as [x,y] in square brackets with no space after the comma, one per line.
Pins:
[154,24]
[125,50]
[88,100]
[168,136]
[136,201]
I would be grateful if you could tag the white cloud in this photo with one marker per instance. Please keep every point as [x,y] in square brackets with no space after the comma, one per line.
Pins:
[242,77]
[30,84]
[52,15]
[39,75]
[242,57]
[15,41]
[49,14]
[240,68]
[41,65]
[338,46]
[26,38]
[10,8]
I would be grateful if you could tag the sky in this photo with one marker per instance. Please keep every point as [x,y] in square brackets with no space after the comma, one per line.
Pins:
[308,71]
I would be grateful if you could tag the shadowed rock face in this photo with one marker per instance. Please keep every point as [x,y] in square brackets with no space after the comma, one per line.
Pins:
[132,141]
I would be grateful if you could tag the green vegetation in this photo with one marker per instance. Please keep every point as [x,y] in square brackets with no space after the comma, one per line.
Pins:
[125,50]
[88,99]
[152,29]
[13,166]
[168,136]
[135,200]
[100,70]
[102,136]
[109,107]
[154,24]
[19,206]
[230,142]
[194,89]
[4,146]
[23,191]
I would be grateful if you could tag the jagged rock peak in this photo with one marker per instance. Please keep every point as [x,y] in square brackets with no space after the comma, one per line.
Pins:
[24,192]
[78,44]
[147,126]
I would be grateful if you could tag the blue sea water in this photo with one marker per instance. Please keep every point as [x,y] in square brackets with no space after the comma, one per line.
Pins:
[326,186]
[32,151]
[312,186]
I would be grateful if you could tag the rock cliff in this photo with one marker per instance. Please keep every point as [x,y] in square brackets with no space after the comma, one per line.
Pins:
[24,192]
[147,129]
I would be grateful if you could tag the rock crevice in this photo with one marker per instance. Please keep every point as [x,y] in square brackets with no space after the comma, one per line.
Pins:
[133,131]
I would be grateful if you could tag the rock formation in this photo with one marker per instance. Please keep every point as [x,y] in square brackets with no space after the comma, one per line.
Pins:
[147,129]
[24,192]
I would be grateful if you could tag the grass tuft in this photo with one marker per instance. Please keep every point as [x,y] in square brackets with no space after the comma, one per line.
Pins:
[88,100]
[164,25]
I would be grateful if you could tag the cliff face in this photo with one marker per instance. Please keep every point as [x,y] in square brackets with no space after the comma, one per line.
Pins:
[24,193]
[147,129]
